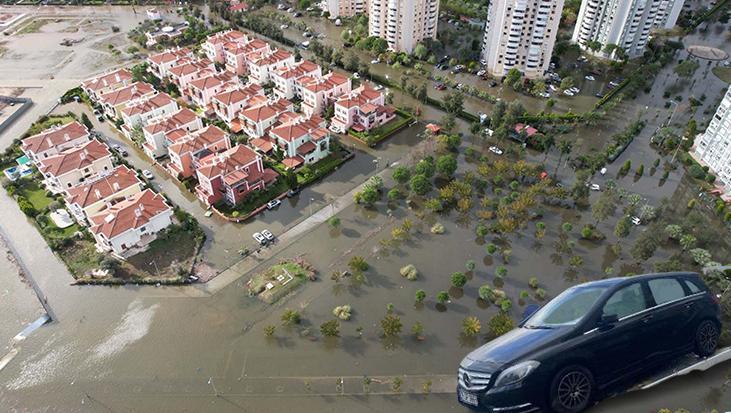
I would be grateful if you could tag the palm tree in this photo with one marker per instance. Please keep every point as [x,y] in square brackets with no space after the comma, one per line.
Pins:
[564,148]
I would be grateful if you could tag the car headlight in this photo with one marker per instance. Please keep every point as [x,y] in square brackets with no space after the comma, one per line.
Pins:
[516,373]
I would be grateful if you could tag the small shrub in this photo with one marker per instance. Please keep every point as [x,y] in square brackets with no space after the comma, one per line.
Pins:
[500,324]
[391,325]
[343,312]
[419,296]
[330,328]
[471,326]
[291,317]
[409,272]
[458,279]
[533,282]
[269,330]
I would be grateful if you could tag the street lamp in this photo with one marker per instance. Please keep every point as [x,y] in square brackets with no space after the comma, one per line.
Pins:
[210,383]
[672,102]
[311,199]
[683,139]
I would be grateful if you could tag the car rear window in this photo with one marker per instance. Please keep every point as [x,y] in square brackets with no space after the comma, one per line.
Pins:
[665,290]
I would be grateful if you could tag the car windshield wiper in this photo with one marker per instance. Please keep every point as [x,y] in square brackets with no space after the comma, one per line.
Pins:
[535,327]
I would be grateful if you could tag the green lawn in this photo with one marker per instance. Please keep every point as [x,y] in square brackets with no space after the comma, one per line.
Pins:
[380,133]
[254,200]
[174,247]
[258,282]
[723,73]
[34,192]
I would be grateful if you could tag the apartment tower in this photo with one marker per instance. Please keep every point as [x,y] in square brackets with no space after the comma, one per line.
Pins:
[346,8]
[520,34]
[403,23]
[624,23]
[713,147]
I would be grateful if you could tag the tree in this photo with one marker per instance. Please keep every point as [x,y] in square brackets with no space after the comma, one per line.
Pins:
[425,167]
[567,83]
[594,45]
[420,184]
[446,165]
[539,87]
[500,324]
[401,174]
[458,279]
[85,120]
[420,51]
[330,328]
[358,264]
[564,148]
[453,103]
[485,292]
[418,330]
[442,297]
[688,242]
[674,231]
[421,93]
[391,325]
[686,68]
[334,222]
[604,207]
[623,226]
[497,114]
[512,78]
[291,317]
[419,296]
[471,326]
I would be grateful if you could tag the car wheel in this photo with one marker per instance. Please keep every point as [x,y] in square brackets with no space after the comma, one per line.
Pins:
[706,338]
[572,390]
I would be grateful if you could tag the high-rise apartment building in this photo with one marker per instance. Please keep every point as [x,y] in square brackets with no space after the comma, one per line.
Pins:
[520,34]
[346,8]
[713,147]
[624,23]
[403,23]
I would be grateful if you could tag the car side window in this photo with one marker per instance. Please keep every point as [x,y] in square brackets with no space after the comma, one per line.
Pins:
[626,301]
[665,290]
[692,287]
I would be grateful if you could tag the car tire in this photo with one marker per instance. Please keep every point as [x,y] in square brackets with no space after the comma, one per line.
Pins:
[572,390]
[706,338]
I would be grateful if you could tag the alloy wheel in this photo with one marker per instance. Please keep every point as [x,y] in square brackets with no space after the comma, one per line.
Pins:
[574,390]
[707,337]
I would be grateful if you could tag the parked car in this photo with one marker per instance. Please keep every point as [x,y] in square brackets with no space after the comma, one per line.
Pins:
[99,115]
[440,86]
[193,278]
[290,10]
[284,26]
[595,187]
[636,220]
[335,129]
[298,14]
[568,92]
[493,83]
[356,75]
[495,150]
[273,203]
[481,72]
[599,95]
[293,192]
[589,78]
[375,61]
[281,7]
[603,170]
[259,238]
[268,235]
[147,174]
[589,340]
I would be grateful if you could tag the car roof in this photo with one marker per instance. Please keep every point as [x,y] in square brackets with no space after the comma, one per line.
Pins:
[618,281]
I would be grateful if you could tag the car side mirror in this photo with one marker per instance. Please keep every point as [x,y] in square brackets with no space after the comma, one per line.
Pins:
[608,321]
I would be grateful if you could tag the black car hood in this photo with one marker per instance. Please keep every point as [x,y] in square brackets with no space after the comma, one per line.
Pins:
[511,347]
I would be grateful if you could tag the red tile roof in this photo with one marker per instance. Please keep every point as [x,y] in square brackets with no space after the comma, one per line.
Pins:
[131,213]
[266,111]
[169,55]
[306,148]
[92,192]
[529,130]
[134,91]
[327,82]
[182,117]
[148,105]
[239,94]
[116,77]
[198,140]
[226,162]
[50,138]
[74,158]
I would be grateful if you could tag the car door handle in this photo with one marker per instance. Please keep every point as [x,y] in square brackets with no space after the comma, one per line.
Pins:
[647,319]
[689,306]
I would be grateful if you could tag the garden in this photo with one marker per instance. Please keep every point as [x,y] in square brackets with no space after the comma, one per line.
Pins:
[378,134]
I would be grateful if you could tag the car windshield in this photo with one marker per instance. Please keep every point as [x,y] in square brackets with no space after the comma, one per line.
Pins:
[567,309]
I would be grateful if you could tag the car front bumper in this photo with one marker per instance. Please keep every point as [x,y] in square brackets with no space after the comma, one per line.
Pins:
[516,400]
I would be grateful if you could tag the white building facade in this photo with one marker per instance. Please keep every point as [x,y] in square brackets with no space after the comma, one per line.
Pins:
[520,34]
[403,23]
[624,23]
[713,147]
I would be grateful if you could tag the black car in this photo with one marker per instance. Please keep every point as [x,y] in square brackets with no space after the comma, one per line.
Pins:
[588,340]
